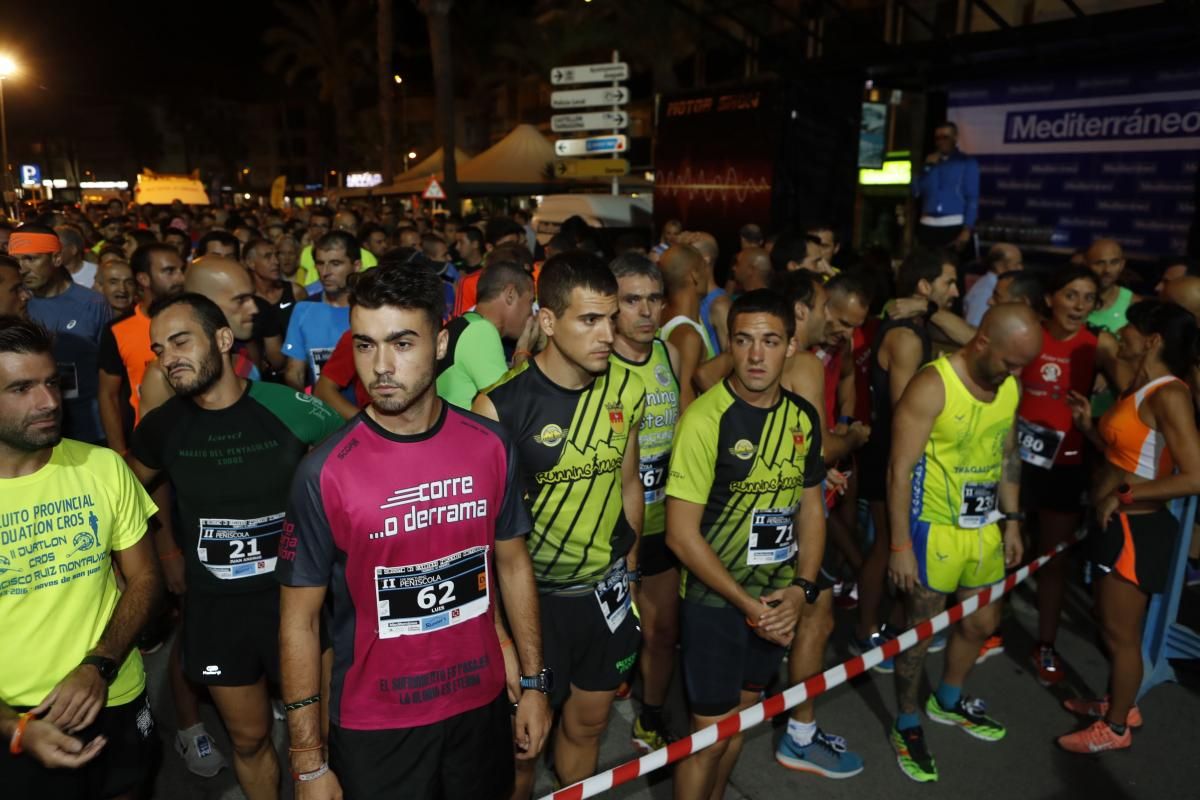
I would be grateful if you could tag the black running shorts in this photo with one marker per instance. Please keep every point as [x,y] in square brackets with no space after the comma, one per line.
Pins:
[231,640]
[465,757]
[722,657]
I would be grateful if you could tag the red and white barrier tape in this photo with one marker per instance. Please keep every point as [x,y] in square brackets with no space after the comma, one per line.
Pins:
[818,684]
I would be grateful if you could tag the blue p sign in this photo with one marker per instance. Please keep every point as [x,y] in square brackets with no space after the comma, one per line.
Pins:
[31,175]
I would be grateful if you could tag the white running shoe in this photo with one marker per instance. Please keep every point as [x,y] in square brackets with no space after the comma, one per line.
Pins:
[197,750]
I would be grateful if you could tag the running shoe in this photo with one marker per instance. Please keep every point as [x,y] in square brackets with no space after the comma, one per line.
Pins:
[845,595]
[1047,665]
[860,646]
[650,737]
[970,714]
[196,749]
[938,643]
[1098,709]
[825,755]
[913,756]
[994,646]
[1096,738]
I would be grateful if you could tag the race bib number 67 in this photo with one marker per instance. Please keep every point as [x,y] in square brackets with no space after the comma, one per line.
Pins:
[419,598]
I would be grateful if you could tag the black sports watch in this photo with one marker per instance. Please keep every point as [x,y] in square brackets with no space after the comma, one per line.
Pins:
[542,682]
[810,589]
[1014,516]
[107,668]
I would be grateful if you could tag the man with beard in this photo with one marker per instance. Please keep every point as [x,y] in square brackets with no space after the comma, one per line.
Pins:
[229,447]
[953,475]
[74,714]
[226,283]
[415,559]
[1107,260]
[316,325]
[14,297]
[574,418]
[77,316]
[125,345]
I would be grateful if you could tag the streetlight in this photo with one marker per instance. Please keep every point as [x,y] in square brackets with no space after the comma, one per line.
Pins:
[403,106]
[8,68]
[410,155]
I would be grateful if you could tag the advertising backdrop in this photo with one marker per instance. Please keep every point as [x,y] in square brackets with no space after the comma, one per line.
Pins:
[1066,159]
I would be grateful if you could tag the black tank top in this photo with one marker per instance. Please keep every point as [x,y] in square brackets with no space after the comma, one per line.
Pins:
[881,390]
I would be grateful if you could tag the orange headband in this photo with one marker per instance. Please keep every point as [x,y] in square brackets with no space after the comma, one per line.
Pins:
[32,244]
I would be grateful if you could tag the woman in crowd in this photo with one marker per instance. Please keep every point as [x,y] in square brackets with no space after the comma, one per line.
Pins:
[1151,456]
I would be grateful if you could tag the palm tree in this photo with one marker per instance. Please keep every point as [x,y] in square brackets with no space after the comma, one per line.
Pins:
[322,38]
[383,75]
[437,17]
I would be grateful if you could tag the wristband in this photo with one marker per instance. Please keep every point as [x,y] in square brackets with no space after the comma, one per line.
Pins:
[306,749]
[14,746]
[1125,494]
[507,643]
[176,553]
[525,353]
[845,420]
[308,701]
[305,777]
[907,546]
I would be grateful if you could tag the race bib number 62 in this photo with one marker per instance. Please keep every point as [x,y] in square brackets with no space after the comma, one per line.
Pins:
[420,598]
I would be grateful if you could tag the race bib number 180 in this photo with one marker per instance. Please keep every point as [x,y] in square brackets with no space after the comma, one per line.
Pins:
[420,598]
[1038,445]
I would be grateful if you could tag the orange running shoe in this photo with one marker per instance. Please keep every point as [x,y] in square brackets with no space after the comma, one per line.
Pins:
[1098,709]
[1047,665]
[1096,738]
[994,646]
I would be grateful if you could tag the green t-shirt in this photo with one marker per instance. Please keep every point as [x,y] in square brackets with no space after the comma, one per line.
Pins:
[571,444]
[306,273]
[748,467]
[474,360]
[232,474]
[58,528]
[656,431]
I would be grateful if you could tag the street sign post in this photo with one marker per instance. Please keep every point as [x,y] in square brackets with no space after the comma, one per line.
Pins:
[434,190]
[595,121]
[591,146]
[590,73]
[586,98]
[592,168]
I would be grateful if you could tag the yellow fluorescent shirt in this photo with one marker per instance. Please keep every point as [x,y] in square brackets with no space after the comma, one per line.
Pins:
[58,528]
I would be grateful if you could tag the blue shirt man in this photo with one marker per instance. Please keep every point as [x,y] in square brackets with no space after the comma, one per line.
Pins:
[948,190]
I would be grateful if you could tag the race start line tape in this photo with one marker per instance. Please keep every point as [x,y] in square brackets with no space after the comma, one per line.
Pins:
[818,684]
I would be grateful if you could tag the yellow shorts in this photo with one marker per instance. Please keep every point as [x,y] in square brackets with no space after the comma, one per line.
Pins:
[950,558]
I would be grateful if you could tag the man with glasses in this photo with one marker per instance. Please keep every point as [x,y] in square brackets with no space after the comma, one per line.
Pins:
[948,192]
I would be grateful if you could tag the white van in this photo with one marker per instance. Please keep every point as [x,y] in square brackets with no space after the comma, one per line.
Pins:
[597,210]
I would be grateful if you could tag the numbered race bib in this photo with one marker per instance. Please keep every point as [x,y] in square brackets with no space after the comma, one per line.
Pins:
[1039,445]
[319,356]
[239,548]
[772,537]
[654,477]
[612,594]
[978,505]
[68,381]
[420,598]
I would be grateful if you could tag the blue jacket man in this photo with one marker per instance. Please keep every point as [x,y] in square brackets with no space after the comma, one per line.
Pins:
[948,189]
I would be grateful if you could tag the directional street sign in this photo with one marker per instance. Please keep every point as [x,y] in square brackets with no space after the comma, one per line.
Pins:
[592,146]
[592,168]
[585,98]
[590,73]
[595,121]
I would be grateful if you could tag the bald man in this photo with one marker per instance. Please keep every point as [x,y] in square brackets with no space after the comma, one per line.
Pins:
[1000,259]
[226,283]
[714,305]
[752,269]
[1107,260]
[953,481]
[684,272]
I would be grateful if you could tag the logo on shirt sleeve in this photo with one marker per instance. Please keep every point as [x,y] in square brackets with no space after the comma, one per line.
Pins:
[550,436]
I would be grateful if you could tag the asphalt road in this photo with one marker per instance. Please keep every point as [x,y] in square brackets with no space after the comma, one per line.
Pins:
[1163,763]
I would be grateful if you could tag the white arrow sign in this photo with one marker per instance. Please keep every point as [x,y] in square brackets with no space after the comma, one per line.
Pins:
[595,145]
[590,73]
[595,121]
[583,98]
